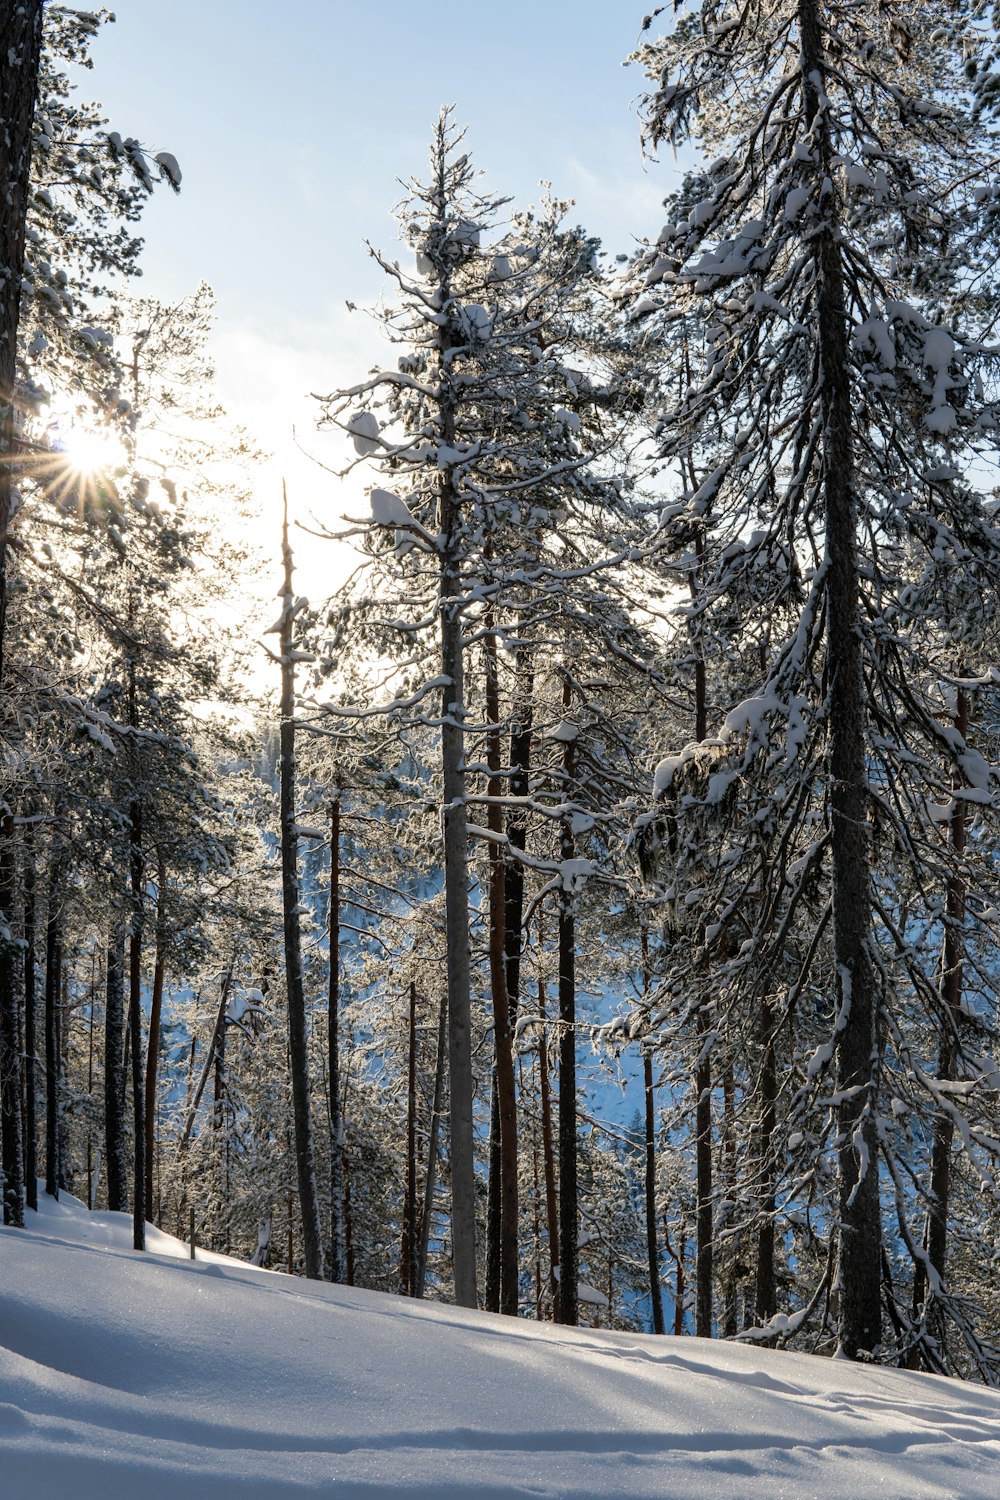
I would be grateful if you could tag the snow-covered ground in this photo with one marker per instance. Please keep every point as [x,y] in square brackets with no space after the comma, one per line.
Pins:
[143,1377]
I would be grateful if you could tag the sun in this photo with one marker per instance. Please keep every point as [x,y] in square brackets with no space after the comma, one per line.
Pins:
[77,466]
[89,452]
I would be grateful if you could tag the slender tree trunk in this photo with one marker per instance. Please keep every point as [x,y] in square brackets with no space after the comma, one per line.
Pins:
[337,1244]
[30,1028]
[53,1069]
[20,50]
[10,1070]
[705,1248]
[503,1172]
[952,985]
[21,34]
[766,1288]
[114,1071]
[652,1245]
[568,1194]
[136,863]
[409,1250]
[517,826]
[463,1179]
[704,1213]
[859,1231]
[548,1148]
[155,1014]
[678,1259]
[730,1324]
[297,1040]
[430,1179]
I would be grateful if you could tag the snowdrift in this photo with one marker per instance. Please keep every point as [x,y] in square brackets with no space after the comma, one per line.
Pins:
[151,1377]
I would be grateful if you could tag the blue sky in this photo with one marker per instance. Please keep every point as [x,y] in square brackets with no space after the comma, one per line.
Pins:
[293,123]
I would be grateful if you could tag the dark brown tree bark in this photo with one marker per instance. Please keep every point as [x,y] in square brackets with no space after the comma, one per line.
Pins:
[297,1039]
[20,51]
[859,1231]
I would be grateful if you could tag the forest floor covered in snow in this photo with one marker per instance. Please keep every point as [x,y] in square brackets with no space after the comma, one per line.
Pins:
[140,1377]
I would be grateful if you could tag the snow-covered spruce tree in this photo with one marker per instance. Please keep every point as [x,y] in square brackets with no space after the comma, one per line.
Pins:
[475,431]
[831,263]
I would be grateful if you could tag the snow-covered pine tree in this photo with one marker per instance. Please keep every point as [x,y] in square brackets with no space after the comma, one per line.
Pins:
[830,260]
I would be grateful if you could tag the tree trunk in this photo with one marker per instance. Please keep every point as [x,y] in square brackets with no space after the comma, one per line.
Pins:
[652,1246]
[136,863]
[548,1149]
[463,1178]
[338,1253]
[859,1231]
[30,1028]
[10,1071]
[21,34]
[952,984]
[408,1254]
[114,1072]
[704,1225]
[503,1169]
[568,1197]
[765,1288]
[297,1041]
[704,1249]
[155,1013]
[432,1147]
[53,1068]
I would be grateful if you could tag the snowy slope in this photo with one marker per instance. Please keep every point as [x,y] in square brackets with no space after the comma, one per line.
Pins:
[131,1377]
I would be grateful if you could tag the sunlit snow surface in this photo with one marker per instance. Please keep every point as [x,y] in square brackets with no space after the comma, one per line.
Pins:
[148,1377]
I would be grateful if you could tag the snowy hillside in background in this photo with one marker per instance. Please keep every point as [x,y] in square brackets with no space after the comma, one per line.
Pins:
[130,1377]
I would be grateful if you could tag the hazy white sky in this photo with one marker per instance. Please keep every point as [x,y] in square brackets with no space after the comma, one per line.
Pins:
[293,123]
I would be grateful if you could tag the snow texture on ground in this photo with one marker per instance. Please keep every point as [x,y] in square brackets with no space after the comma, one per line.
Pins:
[151,1377]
